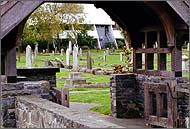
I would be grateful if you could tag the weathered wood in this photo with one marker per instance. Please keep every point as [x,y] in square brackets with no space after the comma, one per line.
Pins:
[160,89]
[7,6]
[155,72]
[153,50]
[137,60]
[16,14]
[176,59]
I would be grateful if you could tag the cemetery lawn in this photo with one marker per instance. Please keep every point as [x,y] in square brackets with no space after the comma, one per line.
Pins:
[102,98]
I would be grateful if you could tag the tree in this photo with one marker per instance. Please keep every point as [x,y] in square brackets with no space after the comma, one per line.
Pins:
[47,21]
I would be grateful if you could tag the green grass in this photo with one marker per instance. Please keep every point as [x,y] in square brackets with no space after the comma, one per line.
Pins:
[102,98]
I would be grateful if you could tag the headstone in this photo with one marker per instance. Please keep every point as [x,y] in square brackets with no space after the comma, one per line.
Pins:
[121,56]
[62,52]
[188,47]
[43,52]
[35,51]
[75,57]
[104,56]
[113,49]
[28,57]
[68,57]
[107,51]
[70,46]
[49,63]
[33,58]
[53,53]
[59,62]
[80,51]
[89,61]
[143,56]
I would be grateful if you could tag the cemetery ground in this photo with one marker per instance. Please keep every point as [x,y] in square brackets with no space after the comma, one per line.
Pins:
[89,95]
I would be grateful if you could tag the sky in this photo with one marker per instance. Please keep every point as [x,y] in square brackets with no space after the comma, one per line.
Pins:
[96,15]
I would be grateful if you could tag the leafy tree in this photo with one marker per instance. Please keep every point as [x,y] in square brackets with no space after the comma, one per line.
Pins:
[47,21]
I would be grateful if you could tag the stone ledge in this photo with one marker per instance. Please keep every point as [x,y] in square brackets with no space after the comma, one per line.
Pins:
[54,115]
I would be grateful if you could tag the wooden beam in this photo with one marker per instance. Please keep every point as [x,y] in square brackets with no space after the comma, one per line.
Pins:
[153,50]
[155,72]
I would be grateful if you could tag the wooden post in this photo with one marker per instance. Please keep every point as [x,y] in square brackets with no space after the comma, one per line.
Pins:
[162,43]
[149,57]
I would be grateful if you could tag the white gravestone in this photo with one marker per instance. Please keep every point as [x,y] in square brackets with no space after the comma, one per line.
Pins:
[143,56]
[104,56]
[80,51]
[121,56]
[62,52]
[184,63]
[53,53]
[35,51]
[28,57]
[67,57]
[75,57]
[70,46]
[188,47]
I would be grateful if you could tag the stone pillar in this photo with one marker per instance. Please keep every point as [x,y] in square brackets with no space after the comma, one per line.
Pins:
[89,60]
[123,96]
[10,65]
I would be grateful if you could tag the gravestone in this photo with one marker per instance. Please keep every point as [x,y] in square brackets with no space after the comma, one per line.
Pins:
[143,56]
[53,53]
[89,60]
[67,57]
[75,57]
[59,62]
[28,57]
[43,52]
[35,51]
[62,52]
[107,51]
[49,63]
[188,47]
[70,46]
[121,56]
[80,51]
[104,56]
[33,58]
[75,79]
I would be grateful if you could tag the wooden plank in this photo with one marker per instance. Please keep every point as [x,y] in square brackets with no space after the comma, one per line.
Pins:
[176,59]
[137,60]
[153,50]
[154,72]
[7,6]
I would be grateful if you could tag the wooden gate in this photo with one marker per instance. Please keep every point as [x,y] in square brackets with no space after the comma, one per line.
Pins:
[160,104]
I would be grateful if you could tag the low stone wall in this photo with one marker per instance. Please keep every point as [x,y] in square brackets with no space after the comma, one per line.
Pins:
[38,74]
[89,85]
[34,112]
[123,96]
[128,91]
[11,90]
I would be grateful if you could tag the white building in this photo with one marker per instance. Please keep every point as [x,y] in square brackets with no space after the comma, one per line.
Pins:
[103,29]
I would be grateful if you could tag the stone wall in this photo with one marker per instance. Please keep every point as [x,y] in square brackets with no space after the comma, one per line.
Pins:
[35,112]
[123,96]
[11,90]
[128,91]
[38,74]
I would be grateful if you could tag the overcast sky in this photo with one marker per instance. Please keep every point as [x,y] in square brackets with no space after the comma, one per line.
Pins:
[96,15]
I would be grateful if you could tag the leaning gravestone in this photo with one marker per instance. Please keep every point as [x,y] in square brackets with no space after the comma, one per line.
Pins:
[28,57]
[75,57]
[89,60]
[59,62]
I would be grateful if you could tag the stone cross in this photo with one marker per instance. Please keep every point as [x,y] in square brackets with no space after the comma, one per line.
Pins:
[75,57]
[62,51]
[121,56]
[89,60]
[104,56]
[28,57]
[68,57]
